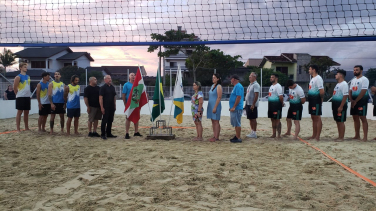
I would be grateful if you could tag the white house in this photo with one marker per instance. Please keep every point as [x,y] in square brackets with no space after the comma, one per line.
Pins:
[51,59]
[172,62]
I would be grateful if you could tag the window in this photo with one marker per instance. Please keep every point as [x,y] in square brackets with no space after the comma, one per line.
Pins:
[173,64]
[38,64]
[283,70]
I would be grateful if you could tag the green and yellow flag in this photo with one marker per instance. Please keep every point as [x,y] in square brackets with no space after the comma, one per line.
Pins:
[158,98]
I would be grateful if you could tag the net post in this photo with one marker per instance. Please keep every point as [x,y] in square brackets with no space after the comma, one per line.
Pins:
[261,83]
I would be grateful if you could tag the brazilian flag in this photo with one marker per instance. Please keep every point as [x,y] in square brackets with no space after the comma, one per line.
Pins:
[157,98]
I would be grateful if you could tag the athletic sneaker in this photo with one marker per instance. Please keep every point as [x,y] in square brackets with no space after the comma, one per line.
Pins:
[104,137]
[237,140]
[111,136]
[95,134]
[253,135]
[250,135]
[90,134]
[127,136]
[233,138]
[137,134]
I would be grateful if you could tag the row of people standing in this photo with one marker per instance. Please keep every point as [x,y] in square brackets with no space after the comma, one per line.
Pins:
[57,98]
[357,94]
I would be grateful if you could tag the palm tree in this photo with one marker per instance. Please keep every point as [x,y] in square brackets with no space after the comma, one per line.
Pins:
[7,58]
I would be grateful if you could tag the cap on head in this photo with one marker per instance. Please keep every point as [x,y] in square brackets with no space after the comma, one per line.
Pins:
[235,77]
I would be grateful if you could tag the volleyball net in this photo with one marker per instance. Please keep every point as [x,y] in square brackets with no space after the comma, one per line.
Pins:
[115,22]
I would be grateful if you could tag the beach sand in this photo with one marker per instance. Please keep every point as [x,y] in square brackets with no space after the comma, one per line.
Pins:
[59,172]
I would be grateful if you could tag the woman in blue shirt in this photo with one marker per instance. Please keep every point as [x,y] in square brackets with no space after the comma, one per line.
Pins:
[214,106]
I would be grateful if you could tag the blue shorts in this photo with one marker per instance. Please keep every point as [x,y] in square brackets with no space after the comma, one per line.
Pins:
[236,118]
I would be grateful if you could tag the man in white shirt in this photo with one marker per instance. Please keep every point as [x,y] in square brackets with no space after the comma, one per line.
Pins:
[358,95]
[315,98]
[297,99]
[252,102]
[275,104]
[339,103]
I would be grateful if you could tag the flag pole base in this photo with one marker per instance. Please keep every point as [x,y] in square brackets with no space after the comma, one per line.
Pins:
[161,131]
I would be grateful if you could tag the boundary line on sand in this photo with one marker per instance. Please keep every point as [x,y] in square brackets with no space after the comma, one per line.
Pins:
[339,163]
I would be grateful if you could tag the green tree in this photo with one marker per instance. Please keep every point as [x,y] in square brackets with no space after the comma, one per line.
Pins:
[68,71]
[210,60]
[198,58]
[371,75]
[171,36]
[324,63]
[7,58]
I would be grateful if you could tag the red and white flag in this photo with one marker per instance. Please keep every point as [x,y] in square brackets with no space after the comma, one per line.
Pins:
[136,99]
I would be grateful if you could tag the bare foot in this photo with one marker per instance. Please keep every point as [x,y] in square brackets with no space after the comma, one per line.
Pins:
[77,133]
[363,140]
[317,139]
[278,138]
[309,138]
[338,140]
[295,138]
[199,139]
[44,130]
[287,134]
[194,139]
[18,131]
[27,128]
[273,136]
[68,134]
[356,137]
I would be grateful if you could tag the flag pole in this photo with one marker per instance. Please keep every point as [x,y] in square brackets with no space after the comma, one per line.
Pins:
[172,99]
[147,97]
[160,93]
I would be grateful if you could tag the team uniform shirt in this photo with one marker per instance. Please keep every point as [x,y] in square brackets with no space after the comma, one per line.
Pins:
[43,94]
[57,92]
[250,96]
[127,89]
[315,85]
[356,86]
[295,96]
[273,100]
[73,97]
[341,90]
[275,104]
[24,86]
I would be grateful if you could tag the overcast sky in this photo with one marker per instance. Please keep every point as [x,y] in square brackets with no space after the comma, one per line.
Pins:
[79,21]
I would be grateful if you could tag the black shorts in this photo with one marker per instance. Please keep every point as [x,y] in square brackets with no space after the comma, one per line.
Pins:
[374,110]
[275,110]
[46,109]
[340,117]
[295,113]
[251,114]
[73,112]
[359,109]
[59,109]
[23,103]
[315,108]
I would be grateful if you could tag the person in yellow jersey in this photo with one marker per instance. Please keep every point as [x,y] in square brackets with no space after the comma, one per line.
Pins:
[21,87]
[43,101]
[56,96]
[72,97]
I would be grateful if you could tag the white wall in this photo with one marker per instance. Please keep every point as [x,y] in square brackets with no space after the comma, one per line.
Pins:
[7,109]
[83,62]
[56,65]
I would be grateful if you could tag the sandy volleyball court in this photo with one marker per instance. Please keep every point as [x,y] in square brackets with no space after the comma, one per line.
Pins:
[43,172]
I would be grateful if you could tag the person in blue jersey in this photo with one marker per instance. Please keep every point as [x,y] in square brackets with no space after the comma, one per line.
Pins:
[252,102]
[236,107]
[297,99]
[315,98]
[21,87]
[58,104]
[275,104]
[358,95]
[43,101]
[72,97]
[125,94]
[214,108]
[339,103]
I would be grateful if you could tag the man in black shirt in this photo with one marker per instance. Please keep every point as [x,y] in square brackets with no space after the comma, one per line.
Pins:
[107,101]
[91,98]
